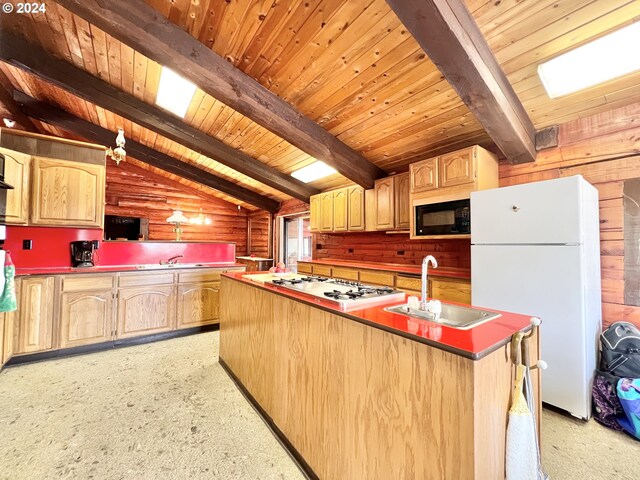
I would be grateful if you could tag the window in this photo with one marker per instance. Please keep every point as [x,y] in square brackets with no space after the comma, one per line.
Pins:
[295,240]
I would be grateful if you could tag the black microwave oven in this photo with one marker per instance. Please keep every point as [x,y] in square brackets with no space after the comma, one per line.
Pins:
[444,218]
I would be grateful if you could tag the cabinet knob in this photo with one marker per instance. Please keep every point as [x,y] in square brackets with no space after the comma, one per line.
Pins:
[515,208]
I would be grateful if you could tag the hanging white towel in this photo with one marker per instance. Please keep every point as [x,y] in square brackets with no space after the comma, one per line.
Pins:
[521,455]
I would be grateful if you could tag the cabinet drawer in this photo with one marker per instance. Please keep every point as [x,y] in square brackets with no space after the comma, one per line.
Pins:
[408,283]
[81,282]
[304,268]
[200,276]
[377,278]
[345,273]
[323,270]
[142,279]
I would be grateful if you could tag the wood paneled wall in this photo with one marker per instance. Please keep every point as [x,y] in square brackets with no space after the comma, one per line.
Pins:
[134,192]
[259,232]
[391,248]
[605,149]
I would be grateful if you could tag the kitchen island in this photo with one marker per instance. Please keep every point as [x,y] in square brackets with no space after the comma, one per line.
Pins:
[368,393]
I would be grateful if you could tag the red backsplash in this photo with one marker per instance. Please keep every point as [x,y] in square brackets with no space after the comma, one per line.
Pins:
[51,248]
[391,248]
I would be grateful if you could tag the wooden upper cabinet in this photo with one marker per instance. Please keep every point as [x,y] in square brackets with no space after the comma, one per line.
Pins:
[16,173]
[402,202]
[385,204]
[326,212]
[67,193]
[340,210]
[356,209]
[456,168]
[35,326]
[424,175]
[315,212]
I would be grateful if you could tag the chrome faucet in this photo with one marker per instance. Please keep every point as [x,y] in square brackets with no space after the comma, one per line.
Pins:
[425,267]
[171,261]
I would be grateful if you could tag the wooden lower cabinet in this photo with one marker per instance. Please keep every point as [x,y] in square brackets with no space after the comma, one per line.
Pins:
[450,289]
[145,310]
[86,318]
[35,331]
[198,304]
[304,268]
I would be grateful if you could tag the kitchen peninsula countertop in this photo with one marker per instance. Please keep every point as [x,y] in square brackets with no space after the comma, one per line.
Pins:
[118,268]
[450,272]
[474,343]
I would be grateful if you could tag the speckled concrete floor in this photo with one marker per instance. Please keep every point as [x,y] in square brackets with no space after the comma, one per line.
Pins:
[167,410]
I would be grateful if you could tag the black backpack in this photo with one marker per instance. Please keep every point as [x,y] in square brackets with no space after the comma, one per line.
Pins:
[620,350]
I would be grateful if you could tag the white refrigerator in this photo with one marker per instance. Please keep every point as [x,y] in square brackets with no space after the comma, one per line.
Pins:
[535,250]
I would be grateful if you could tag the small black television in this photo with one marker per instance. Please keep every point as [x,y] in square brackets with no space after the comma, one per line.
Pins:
[125,228]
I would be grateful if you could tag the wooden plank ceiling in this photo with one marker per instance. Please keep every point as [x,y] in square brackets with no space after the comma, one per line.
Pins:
[350,65]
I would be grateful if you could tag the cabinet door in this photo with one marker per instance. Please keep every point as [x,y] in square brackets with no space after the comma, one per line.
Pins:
[456,168]
[16,173]
[402,202]
[198,304]
[370,210]
[9,335]
[450,290]
[145,310]
[86,317]
[385,204]
[356,209]
[326,212]
[35,324]
[340,210]
[424,175]
[67,193]
[315,216]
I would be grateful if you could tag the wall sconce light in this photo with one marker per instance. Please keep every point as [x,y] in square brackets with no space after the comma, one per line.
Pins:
[118,154]
[200,219]
[177,218]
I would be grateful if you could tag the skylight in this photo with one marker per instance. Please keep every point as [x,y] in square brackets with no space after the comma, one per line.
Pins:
[314,171]
[603,59]
[174,92]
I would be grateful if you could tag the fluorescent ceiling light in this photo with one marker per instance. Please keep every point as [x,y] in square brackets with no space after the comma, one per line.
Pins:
[314,171]
[174,92]
[603,59]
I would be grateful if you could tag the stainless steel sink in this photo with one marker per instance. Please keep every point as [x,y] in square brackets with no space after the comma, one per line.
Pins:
[158,266]
[454,316]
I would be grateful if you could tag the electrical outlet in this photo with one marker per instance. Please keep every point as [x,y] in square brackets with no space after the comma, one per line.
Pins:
[96,244]
[400,252]
[350,250]
[27,244]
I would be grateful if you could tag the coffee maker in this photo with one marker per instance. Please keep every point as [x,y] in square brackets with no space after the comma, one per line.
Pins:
[82,253]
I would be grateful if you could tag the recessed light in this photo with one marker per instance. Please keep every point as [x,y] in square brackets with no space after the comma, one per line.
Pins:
[174,92]
[314,171]
[603,59]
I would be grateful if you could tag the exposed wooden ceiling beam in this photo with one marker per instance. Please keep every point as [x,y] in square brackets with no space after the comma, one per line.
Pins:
[18,52]
[449,35]
[9,103]
[54,116]
[139,26]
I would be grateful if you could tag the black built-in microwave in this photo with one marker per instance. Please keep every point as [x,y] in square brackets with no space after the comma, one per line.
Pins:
[443,218]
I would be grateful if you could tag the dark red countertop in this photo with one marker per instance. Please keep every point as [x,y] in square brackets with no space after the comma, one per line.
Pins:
[396,267]
[115,268]
[473,343]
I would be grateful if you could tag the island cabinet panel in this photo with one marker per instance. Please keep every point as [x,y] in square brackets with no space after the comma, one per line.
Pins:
[35,330]
[326,212]
[86,318]
[401,187]
[16,173]
[67,193]
[198,304]
[146,310]
[315,216]
[385,204]
[359,402]
[356,209]
[340,210]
